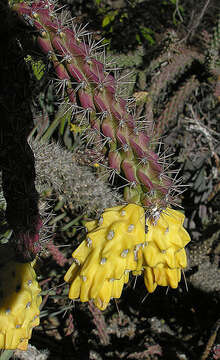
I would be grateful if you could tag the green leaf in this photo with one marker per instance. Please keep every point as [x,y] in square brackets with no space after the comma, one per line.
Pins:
[138,38]
[38,67]
[109,18]
[146,34]
[106,20]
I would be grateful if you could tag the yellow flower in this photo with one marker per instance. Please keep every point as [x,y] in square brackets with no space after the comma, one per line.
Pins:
[76,129]
[102,262]
[164,255]
[96,165]
[19,303]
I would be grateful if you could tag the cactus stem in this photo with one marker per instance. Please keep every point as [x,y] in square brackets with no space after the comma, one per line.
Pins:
[115,121]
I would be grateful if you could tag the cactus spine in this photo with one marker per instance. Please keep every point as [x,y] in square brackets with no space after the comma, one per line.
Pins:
[91,89]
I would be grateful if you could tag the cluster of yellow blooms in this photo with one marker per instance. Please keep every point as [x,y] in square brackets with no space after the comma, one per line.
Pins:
[123,241]
[19,303]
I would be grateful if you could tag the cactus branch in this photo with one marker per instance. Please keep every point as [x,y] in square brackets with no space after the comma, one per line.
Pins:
[91,89]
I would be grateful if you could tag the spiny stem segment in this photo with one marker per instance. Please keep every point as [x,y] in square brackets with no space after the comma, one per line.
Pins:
[91,88]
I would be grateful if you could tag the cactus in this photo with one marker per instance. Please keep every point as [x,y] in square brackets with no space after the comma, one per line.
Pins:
[170,81]
[122,241]
[57,169]
[118,244]
[144,237]
[19,301]
[92,91]
[102,262]
[164,256]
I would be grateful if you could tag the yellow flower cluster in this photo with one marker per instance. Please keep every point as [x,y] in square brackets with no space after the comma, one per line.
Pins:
[123,241]
[19,304]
